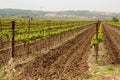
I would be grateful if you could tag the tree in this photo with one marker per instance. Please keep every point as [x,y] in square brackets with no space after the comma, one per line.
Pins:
[115,19]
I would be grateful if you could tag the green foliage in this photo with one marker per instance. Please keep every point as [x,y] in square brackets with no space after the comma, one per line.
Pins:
[39,28]
[115,24]
[1,78]
[115,19]
[95,41]
[110,68]
[95,69]
[5,34]
[1,73]
[101,63]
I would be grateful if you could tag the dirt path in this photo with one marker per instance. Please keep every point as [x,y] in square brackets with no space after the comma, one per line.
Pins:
[66,62]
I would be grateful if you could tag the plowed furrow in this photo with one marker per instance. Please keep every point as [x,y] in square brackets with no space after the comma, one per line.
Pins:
[112,41]
[66,62]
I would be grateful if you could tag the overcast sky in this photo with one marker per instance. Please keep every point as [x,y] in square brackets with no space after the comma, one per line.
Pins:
[57,5]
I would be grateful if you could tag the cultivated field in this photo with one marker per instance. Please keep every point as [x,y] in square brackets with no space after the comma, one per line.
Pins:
[57,49]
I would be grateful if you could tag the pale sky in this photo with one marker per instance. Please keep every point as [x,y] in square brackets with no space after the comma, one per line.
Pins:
[57,5]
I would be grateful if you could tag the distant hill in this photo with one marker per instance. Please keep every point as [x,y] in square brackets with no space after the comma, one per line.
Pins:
[83,14]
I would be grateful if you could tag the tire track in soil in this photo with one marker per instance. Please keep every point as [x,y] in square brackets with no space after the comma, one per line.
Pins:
[63,63]
[112,41]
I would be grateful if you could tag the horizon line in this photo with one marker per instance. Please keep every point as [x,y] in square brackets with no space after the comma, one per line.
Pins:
[62,10]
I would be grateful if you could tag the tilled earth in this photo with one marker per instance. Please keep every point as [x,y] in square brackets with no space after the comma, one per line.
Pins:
[112,42]
[66,62]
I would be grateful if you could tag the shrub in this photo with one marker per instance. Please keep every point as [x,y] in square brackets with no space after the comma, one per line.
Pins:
[110,68]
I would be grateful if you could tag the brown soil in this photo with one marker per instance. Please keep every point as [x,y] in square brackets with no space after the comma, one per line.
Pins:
[108,77]
[40,45]
[112,42]
[66,62]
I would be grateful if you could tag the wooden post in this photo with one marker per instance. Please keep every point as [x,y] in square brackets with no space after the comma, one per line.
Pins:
[28,45]
[1,45]
[96,47]
[29,26]
[49,46]
[13,37]
[0,25]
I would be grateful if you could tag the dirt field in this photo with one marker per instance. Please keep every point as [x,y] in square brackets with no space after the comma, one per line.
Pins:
[40,45]
[69,61]
[66,62]
[112,42]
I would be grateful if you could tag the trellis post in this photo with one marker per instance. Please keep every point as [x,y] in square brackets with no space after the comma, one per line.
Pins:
[13,39]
